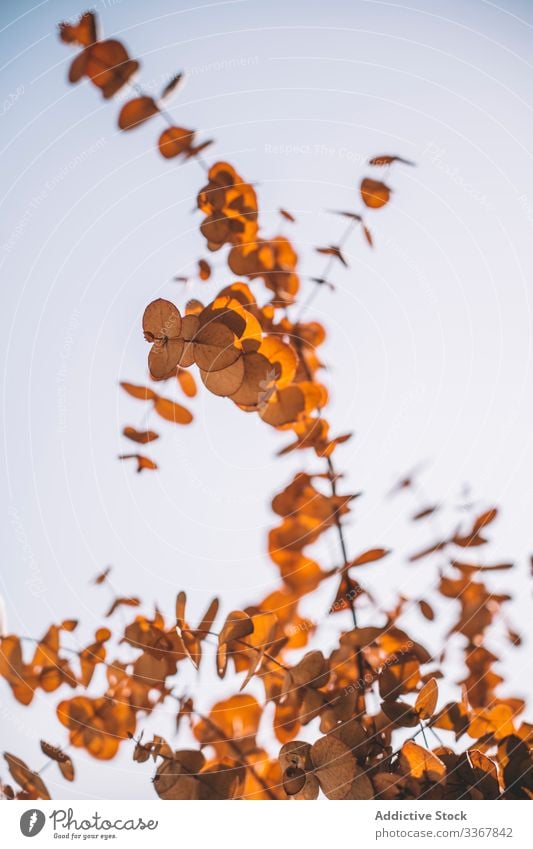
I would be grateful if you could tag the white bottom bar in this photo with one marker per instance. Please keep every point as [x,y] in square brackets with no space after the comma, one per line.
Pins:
[268,825]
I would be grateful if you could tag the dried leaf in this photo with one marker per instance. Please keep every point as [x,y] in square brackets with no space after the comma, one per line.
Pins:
[400,713]
[136,112]
[237,626]
[335,766]
[31,782]
[63,761]
[172,412]
[369,556]
[123,601]
[162,327]
[374,193]
[426,701]
[333,250]
[214,347]
[142,462]
[83,33]
[143,437]
[420,763]
[187,382]
[172,85]
[287,215]
[426,610]
[387,159]
[143,393]
[204,269]
[425,512]
[175,141]
[102,576]
[484,519]
[227,381]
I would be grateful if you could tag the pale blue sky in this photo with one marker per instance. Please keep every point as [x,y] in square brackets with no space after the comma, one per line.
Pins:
[429,335]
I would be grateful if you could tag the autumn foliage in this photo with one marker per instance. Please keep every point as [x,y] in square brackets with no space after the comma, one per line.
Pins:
[378,727]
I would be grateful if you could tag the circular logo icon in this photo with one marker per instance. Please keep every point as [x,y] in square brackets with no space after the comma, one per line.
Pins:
[32,822]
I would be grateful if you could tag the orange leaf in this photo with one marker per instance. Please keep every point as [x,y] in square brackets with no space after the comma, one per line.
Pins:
[284,406]
[172,84]
[107,65]
[426,701]
[82,33]
[102,576]
[142,462]
[333,250]
[204,269]
[143,393]
[63,761]
[368,557]
[387,159]
[213,347]
[420,763]
[175,141]
[225,382]
[140,436]
[122,601]
[136,111]
[172,412]
[485,519]
[426,610]
[374,193]
[187,382]
[287,215]
[31,782]
[162,327]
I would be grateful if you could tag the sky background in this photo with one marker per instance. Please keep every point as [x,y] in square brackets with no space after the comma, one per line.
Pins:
[429,334]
